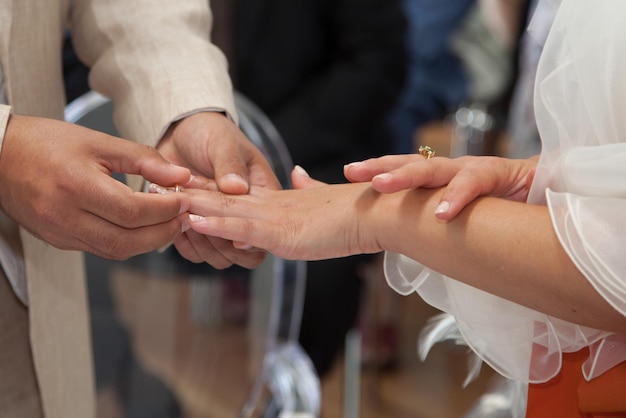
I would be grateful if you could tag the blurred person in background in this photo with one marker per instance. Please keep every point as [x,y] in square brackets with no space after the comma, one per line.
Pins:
[437,82]
[326,73]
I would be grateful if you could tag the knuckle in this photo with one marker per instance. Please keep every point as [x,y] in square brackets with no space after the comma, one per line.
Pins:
[249,226]
[146,153]
[221,263]
[251,261]
[218,254]
[128,214]
[117,249]
[45,213]
[196,259]
[149,151]
[227,201]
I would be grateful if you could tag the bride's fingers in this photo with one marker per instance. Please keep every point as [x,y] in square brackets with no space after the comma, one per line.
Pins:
[366,170]
[253,232]
[435,172]
[508,179]
[466,186]
[300,179]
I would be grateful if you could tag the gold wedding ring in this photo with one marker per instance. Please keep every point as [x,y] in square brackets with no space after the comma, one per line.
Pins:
[426,151]
[178,188]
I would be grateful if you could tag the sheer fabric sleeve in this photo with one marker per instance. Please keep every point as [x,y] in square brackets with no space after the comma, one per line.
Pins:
[579,99]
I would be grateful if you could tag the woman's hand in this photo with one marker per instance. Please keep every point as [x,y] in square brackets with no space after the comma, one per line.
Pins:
[466,177]
[316,221]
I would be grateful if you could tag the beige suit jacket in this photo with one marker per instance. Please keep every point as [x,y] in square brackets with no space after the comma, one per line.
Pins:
[154,59]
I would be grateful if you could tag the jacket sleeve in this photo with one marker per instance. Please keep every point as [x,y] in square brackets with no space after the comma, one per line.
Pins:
[154,59]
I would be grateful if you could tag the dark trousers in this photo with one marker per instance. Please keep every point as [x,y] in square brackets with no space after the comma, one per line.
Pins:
[331,308]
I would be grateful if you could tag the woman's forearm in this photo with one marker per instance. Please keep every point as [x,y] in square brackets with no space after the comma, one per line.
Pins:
[505,248]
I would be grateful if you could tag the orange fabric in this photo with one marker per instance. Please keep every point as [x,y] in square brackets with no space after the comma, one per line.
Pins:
[606,393]
[569,395]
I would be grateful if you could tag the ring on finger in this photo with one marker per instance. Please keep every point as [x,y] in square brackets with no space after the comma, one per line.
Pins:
[426,152]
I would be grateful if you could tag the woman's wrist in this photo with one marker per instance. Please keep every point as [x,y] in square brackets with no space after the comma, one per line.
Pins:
[404,220]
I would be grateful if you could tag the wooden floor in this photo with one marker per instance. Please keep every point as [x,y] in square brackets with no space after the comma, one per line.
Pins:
[206,368]
[412,389]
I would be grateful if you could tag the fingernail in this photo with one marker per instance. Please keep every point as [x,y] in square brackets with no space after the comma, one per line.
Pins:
[301,171]
[443,207]
[186,226]
[242,246]
[235,178]
[155,188]
[383,176]
[184,207]
[195,218]
[354,164]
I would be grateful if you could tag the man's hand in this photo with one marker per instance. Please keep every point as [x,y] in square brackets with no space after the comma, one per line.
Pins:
[55,180]
[213,147]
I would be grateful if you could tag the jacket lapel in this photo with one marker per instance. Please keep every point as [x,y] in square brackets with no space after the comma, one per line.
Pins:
[31,57]
[30,53]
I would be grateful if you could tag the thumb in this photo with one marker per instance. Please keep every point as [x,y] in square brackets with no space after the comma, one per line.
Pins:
[301,179]
[127,157]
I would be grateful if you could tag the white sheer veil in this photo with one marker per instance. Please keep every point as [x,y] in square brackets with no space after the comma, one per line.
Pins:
[580,94]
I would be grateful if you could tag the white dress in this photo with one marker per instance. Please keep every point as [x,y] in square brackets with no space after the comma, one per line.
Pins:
[580,107]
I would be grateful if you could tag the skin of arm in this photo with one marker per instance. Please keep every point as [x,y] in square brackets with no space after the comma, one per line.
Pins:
[504,247]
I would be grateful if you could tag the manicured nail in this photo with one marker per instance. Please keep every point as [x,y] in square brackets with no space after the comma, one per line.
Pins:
[354,164]
[382,176]
[443,207]
[186,226]
[184,207]
[301,171]
[235,178]
[195,218]
[155,188]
